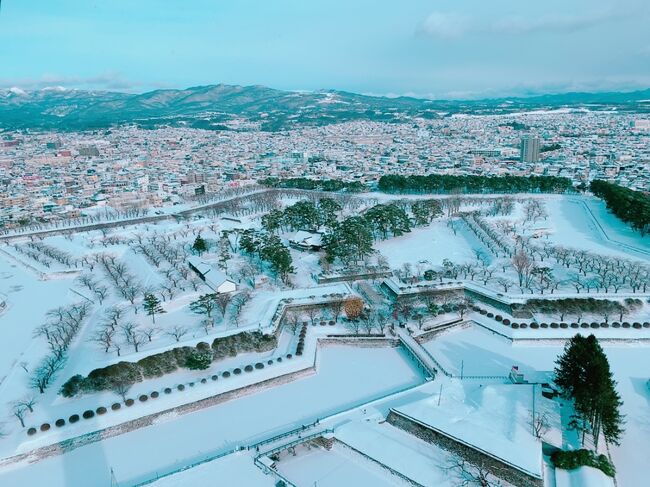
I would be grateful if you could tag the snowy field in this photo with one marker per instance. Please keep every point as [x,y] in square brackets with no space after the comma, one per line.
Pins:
[432,244]
[347,376]
[335,468]
[572,224]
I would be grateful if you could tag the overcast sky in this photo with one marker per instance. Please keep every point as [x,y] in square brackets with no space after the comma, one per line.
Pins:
[435,48]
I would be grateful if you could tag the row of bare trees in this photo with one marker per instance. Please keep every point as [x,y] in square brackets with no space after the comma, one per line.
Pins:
[59,331]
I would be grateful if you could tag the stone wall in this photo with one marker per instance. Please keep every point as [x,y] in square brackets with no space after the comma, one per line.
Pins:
[497,468]
[356,341]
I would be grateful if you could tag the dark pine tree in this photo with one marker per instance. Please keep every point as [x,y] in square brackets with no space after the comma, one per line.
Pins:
[199,245]
[582,372]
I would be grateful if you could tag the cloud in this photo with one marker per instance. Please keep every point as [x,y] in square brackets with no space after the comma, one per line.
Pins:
[107,81]
[516,24]
[444,25]
[454,25]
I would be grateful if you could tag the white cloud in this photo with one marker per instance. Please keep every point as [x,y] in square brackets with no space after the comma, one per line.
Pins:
[444,25]
[453,25]
[516,24]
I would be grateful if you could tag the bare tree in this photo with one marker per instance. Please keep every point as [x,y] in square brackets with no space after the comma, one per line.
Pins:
[337,308]
[121,387]
[101,292]
[313,313]
[292,319]
[540,424]
[20,411]
[505,283]
[28,401]
[177,332]
[150,332]
[86,280]
[117,348]
[523,265]
[45,372]
[368,323]
[354,325]
[381,320]
[104,338]
[223,300]
[469,474]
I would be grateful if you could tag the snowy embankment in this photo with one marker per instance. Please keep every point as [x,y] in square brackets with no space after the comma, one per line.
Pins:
[346,376]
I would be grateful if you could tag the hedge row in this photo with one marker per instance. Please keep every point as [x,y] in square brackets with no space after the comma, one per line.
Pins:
[88,414]
[301,340]
[157,365]
[516,325]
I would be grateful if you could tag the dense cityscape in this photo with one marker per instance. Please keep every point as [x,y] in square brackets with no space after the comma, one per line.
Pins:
[58,175]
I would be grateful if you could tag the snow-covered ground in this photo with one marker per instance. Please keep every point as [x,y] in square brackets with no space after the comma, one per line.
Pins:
[334,468]
[433,244]
[347,376]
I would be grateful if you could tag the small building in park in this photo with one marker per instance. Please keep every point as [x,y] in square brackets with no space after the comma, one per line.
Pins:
[215,279]
[303,240]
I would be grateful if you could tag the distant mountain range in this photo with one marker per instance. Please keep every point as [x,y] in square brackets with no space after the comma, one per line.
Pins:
[214,107]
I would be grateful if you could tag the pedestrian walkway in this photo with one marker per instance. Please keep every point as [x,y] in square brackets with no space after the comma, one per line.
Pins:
[418,352]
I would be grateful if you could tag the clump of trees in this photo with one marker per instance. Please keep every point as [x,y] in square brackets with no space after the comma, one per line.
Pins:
[443,183]
[303,215]
[633,207]
[351,239]
[314,184]
[268,248]
[582,373]
[120,376]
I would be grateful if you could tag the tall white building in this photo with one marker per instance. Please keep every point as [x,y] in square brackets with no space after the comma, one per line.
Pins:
[529,149]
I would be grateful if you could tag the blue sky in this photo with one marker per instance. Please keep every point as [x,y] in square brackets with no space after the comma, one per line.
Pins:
[435,48]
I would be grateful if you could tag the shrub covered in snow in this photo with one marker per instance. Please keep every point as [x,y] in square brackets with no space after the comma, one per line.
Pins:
[570,460]
[199,359]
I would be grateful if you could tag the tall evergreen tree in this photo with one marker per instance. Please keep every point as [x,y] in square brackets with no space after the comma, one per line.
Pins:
[152,306]
[199,246]
[583,374]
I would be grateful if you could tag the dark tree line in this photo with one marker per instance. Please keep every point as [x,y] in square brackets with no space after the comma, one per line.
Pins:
[443,183]
[633,207]
[314,184]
